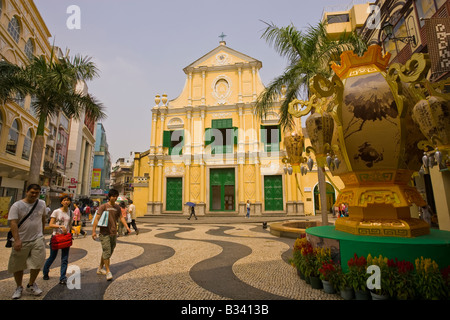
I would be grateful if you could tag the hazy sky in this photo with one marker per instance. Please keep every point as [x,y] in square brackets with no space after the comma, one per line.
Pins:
[142,46]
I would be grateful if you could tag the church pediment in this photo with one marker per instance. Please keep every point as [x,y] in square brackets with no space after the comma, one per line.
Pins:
[222,57]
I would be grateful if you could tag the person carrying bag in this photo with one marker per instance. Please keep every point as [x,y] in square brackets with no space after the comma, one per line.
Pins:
[9,237]
[61,222]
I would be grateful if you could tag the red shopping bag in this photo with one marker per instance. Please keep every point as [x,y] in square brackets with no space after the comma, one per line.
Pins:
[61,241]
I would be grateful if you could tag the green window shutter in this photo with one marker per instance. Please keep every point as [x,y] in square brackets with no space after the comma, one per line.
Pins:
[182,138]
[176,146]
[208,138]
[166,139]
[276,145]
[235,135]
[216,124]
[222,123]
[263,135]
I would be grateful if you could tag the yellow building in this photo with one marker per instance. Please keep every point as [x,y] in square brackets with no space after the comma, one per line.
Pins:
[345,19]
[23,34]
[208,147]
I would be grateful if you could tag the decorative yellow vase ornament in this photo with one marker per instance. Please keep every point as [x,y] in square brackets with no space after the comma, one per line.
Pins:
[377,141]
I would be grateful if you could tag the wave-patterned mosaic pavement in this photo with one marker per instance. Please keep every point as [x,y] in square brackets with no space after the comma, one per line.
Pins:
[179,262]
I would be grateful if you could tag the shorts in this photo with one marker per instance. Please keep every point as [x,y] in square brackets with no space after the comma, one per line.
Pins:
[108,244]
[31,256]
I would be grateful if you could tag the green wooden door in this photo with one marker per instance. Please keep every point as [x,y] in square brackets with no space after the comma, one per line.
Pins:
[273,193]
[174,195]
[222,189]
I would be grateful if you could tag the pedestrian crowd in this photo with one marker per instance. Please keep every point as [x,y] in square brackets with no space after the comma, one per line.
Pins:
[28,217]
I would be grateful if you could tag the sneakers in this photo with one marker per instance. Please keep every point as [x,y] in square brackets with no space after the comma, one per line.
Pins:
[101,272]
[34,289]
[109,276]
[18,293]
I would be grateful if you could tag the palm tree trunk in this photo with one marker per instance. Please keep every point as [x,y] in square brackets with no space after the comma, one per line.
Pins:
[38,150]
[36,159]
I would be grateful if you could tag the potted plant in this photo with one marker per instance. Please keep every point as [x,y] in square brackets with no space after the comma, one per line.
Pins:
[357,274]
[298,260]
[428,280]
[387,277]
[403,275]
[315,260]
[446,276]
[309,254]
[329,276]
[344,286]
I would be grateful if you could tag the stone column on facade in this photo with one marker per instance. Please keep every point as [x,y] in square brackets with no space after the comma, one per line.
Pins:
[81,166]
[190,89]
[153,131]
[241,160]
[187,187]
[159,184]
[203,188]
[188,134]
[202,205]
[240,85]
[163,111]
[150,204]
[258,177]
[203,101]
[254,82]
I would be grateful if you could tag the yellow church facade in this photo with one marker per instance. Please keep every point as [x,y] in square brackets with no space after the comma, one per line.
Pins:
[208,147]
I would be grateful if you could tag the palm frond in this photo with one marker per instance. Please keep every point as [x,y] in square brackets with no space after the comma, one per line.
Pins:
[12,82]
[308,53]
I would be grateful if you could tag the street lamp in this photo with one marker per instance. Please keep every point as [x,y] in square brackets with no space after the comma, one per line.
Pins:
[388,30]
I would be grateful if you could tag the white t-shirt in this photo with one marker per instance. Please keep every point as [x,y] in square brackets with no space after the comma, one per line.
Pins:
[132,211]
[62,219]
[31,229]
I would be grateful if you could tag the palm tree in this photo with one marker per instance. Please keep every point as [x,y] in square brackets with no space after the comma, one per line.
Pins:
[308,54]
[52,84]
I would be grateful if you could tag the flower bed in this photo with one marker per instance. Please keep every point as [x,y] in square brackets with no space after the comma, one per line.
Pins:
[401,280]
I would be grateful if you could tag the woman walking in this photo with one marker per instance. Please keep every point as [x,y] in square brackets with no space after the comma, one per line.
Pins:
[77,219]
[124,212]
[61,222]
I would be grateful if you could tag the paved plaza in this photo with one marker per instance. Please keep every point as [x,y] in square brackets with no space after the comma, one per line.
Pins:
[212,258]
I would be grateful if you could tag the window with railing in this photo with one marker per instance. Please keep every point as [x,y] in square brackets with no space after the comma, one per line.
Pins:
[14,29]
[222,136]
[174,141]
[13,138]
[271,137]
[29,49]
[26,151]
[338,18]
[427,8]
